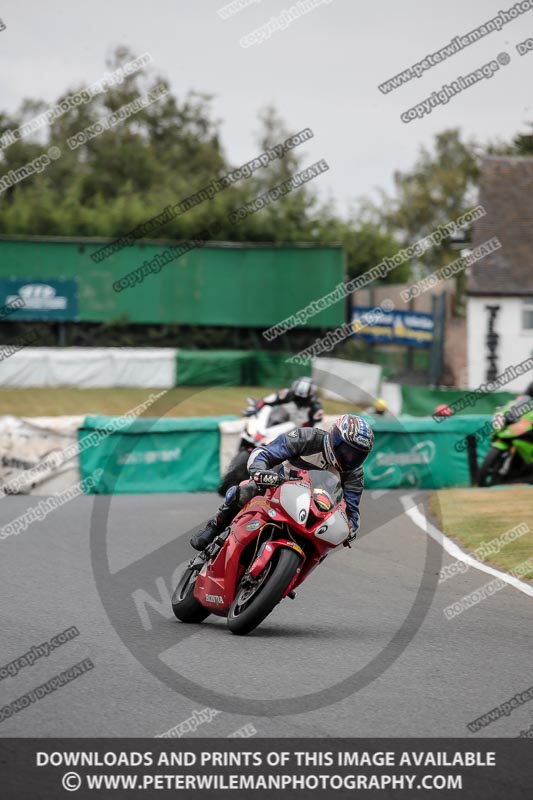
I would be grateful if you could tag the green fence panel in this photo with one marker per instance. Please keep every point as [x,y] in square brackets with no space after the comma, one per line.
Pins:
[213,367]
[236,368]
[151,455]
[209,285]
[273,369]
[422,453]
[422,402]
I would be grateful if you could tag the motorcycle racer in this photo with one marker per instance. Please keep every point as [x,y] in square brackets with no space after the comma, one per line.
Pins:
[521,405]
[306,407]
[341,450]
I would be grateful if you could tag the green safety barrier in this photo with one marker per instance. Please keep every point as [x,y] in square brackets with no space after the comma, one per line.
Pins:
[212,367]
[151,455]
[422,402]
[273,369]
[236,368]
[422,453]
[182,455]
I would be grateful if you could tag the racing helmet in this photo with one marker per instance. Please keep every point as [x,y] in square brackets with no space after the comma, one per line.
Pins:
[443,411]
[302,389]
[348,442]
[380,405]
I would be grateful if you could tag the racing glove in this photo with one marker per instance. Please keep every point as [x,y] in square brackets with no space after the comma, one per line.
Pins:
[267,477]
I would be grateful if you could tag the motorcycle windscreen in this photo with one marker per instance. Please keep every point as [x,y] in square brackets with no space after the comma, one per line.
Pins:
[328,482]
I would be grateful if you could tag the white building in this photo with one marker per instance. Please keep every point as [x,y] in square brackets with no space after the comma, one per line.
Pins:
[500,287]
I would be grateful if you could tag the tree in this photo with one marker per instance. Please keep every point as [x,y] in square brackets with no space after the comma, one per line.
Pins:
[440,187]
[523,143]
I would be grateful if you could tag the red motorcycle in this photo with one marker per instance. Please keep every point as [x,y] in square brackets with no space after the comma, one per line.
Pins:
[271,547]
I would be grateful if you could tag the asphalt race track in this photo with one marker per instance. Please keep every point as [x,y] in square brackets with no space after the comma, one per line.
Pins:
[364,650]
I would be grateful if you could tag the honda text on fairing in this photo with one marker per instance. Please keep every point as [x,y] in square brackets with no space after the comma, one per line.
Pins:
[279,412]
[273,544]
[510,455]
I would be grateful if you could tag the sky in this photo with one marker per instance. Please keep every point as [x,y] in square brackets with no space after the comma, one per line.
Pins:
[322,71]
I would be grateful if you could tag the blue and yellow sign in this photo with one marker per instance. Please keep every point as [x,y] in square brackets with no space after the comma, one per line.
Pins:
[396,327]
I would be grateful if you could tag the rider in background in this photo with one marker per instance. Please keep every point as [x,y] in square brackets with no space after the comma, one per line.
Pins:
[306,410]
[522,404]
[341,450]
[443,410]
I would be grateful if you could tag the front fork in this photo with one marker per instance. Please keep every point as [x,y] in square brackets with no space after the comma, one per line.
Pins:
[265,554]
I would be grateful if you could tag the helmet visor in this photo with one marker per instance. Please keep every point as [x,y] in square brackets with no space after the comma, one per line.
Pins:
[348,456]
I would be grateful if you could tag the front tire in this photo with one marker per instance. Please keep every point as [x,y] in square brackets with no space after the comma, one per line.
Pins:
[489,468]
[185,606]
[251,607]
[236,473]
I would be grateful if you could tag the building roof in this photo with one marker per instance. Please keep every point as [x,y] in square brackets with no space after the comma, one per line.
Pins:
[506,193]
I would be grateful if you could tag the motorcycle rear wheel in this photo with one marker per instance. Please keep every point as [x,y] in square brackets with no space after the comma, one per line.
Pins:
[252,606]
[185,606]
[488,472]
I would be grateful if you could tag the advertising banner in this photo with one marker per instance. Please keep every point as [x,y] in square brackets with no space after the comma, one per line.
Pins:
[40,299]
[151,455]
[423,454]
[397,327]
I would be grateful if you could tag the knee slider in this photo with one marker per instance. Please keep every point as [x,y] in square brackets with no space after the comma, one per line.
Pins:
[231,495]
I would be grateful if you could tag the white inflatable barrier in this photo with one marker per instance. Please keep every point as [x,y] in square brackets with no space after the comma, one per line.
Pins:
[91,367]
[392,394]
[230,434]
[340,379]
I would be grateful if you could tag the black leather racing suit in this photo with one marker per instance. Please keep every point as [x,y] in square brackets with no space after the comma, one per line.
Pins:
[302,448]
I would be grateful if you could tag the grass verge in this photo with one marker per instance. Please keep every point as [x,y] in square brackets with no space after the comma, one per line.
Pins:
[473,517]
[187,401]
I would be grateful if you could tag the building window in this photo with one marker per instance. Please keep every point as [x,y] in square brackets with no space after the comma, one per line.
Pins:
[527,316]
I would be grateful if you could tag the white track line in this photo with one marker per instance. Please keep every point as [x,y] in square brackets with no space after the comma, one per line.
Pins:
[454,550]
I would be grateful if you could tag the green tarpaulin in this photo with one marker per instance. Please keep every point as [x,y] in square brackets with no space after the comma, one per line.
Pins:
[422,453]
[151,455]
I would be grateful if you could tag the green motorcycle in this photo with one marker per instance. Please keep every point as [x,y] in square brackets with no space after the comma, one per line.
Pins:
[510,455]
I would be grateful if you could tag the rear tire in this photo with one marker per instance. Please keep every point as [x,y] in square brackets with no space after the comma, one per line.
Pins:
[244,616]
[236,473]
[491,463]
[185,606]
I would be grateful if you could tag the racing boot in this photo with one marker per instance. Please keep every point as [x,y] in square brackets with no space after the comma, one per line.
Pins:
[216,525]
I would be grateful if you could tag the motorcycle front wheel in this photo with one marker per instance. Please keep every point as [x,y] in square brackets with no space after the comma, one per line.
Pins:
[184,604]
[488,472]
[253,603]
